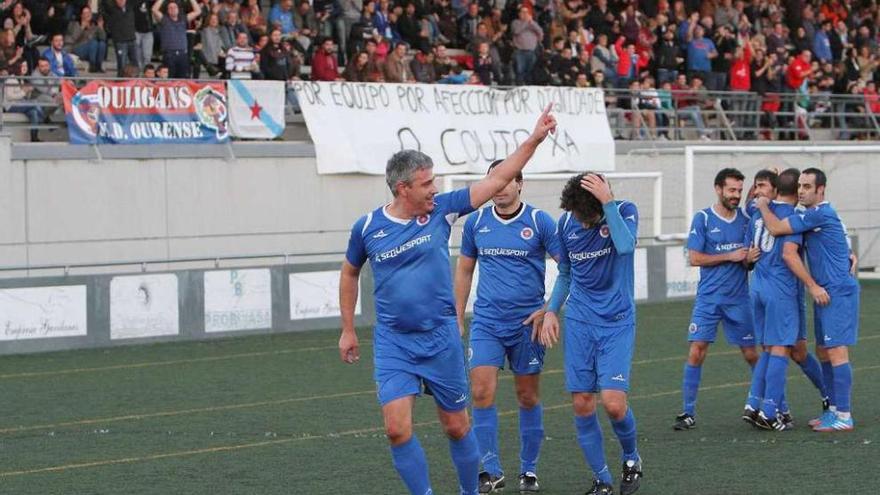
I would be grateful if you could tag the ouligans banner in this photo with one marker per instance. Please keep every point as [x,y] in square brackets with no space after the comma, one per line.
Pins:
[356,127]
[146,112]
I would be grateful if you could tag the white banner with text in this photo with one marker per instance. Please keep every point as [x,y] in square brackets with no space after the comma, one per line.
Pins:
[356,127]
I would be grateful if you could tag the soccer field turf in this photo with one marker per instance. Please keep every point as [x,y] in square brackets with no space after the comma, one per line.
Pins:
[282,414]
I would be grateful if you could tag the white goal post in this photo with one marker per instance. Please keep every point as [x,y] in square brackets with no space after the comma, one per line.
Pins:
[656,177]
[691,151]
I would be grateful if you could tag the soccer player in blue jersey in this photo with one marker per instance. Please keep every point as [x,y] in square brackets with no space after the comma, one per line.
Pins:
[765,185]
[774,295]
[416,339]
[510,240]
[835,291]
[598,239]
[715,244]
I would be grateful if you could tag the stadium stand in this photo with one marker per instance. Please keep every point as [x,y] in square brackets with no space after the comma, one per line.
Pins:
[725,69]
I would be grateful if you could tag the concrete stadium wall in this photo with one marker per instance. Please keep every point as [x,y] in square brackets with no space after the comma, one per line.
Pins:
[39,314]
[62,204]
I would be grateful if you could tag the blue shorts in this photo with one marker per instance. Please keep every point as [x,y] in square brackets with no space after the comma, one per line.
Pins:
[406,362]
[838,323]
[736,316]
[776,318]
[597,358]
[491,344]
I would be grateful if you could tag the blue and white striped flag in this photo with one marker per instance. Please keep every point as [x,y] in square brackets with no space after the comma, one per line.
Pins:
[256,108]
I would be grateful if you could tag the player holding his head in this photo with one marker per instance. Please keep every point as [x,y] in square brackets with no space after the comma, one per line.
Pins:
[511,241]
[598,238]
[416,339]
[835,290]
[715,244]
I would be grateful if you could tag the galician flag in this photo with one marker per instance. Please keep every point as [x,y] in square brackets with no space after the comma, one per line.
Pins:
[256,108]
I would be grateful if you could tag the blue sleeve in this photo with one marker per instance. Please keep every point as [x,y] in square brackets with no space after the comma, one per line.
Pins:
[623,221]
[458,201]
[794,239]
[804,221]
[561,287]
[357,251]
[712,46]
[697,235]
[468,246]
[550,238]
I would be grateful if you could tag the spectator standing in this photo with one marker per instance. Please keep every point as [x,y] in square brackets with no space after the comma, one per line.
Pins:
[172,35]
[700,52]
[604,59]
[143,32]
[120,17]
[527,35]
[467,25]
[667,57]
[822,43]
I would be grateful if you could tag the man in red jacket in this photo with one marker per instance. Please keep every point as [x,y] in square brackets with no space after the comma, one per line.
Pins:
[324,65]
[741,82]
[798,70]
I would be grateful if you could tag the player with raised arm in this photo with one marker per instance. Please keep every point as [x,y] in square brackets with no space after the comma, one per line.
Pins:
[715,244]
[598,238]
[510,240]
[417,342]
[835,292]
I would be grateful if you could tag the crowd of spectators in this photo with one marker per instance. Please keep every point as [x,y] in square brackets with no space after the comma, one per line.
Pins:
[654,47]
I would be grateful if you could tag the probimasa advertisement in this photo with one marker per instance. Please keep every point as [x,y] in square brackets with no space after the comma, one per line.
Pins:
[238,300]
[146,112]
[357,126]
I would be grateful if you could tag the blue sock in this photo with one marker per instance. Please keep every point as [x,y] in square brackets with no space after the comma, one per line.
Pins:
[589,436]
[759,372]
[410,463]
[828,378]
[531,435]
[466,458]
[625,429]
[813,370]
[842,387]
[486,430]
[775,389]
[690,384]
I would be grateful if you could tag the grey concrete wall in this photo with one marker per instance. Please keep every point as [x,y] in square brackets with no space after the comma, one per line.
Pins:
[187,202]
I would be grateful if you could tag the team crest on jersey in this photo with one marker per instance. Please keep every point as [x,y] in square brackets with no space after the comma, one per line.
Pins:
[604,232]
[527,233]
[423,220]
[692,328]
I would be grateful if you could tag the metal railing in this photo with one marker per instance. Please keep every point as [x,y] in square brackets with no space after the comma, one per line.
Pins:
[641,115]
[737,116]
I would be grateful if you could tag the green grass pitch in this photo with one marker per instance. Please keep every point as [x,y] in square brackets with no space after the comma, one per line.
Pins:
[282,414]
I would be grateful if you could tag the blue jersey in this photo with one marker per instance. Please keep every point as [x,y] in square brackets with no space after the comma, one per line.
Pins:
[827,246]
[602,279]
[772,275]
[511,254]
[412,282]
[712,234]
